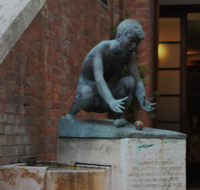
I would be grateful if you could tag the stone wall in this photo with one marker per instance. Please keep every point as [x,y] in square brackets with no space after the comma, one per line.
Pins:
[15,17]
[38,78]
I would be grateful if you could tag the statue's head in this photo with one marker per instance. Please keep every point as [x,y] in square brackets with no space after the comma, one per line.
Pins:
[129,25]
[129,34]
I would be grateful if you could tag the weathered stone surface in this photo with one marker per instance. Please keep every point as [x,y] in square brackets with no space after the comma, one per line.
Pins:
[15,18]
[136,164]
[108,172]
[22,177]
[89,128]
[78,179]
[50,176]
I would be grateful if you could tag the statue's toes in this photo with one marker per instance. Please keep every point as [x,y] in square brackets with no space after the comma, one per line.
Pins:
[69,117]
[120,123]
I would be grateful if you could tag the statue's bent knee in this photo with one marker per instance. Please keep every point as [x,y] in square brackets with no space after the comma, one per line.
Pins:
[129,82]
[85,95]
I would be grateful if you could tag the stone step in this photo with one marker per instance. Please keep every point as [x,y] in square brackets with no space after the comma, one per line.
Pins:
[44,177]
[79,179]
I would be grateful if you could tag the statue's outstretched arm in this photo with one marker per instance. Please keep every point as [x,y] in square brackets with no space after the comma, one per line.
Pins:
[139,86]
[104,91]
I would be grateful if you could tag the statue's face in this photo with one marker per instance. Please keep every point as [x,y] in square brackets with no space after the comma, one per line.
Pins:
[129,42]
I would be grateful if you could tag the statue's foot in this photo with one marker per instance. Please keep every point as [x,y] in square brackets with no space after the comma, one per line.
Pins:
[69,117]
[120,123]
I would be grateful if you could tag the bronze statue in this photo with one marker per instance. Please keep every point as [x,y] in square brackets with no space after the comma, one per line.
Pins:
[101,64]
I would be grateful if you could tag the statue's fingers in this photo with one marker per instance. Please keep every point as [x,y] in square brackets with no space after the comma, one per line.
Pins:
[151,99]
[152,104]
[123,99]
[115,110]
[121,103]
[118,110]
[122,107]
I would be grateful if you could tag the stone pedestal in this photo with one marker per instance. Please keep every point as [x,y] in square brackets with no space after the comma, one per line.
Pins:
[135,162]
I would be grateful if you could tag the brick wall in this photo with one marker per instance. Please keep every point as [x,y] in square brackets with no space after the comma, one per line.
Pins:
[39,76]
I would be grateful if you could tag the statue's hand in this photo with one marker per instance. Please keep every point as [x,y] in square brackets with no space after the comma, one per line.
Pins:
[147,105]
[116,105]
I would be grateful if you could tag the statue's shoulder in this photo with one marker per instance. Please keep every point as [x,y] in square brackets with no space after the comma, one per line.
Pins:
[103,45]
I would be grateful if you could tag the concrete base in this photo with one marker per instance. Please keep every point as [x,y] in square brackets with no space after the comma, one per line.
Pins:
[135,163]
[51,177]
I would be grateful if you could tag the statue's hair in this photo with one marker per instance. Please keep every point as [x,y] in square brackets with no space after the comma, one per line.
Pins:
[129,24]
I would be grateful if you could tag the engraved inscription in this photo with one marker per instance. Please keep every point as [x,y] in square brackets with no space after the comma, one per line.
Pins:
[158,175]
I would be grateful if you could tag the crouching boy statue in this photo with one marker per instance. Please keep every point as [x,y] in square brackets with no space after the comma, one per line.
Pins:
[102,63]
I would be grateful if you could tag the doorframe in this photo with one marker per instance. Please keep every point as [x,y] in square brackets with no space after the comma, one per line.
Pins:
[155,12]
[181,11]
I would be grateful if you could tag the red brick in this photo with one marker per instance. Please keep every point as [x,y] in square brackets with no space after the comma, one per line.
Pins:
[3,84]
[48,104]
[36,35]
[1,128]
[31,150]
[8,160]
[131,5]
[40,28]
[75,71]
[54,53]
[21,119]
[17,140]
[40,84]
[57,63]
[2,74]
[3,118]
[12,55]
[10,151]
[3,140]
[21,150]
[11,86]
[11,119]
[39,47]
[10,108]
[31,52]
[1,152]
[47,95]
[31,91]
[32,111]
[55,105]
[32,71]
[54,122]
[55,11]
[56,89]
[39,139]
[41,56]
[1,106]
[56,97]
[56,71]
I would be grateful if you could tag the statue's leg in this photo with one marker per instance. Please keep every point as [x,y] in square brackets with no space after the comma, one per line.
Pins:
[84,97]
[125,87]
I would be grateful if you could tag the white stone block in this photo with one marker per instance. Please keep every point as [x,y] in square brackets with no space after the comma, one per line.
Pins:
[15,17]
[138,164]
[77,179]
[19,177]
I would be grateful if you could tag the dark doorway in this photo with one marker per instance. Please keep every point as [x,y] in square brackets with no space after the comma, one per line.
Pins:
[179,80]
